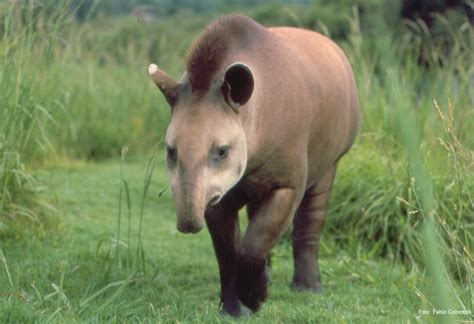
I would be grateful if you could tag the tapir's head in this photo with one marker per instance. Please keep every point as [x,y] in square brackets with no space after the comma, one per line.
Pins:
[206,147]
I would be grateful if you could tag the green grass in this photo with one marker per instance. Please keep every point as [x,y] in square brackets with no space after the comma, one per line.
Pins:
[23,118]
[64,277]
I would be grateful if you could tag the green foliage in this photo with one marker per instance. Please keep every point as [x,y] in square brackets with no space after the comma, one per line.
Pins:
[25,109]
[375,185]
[412,166]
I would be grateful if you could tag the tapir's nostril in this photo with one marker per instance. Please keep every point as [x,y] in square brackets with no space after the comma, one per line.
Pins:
[215,199]
[189,227]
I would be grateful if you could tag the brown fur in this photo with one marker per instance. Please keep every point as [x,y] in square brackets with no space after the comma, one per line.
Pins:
[210,50]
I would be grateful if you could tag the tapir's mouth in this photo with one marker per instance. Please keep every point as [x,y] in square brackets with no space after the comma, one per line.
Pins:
[215,199]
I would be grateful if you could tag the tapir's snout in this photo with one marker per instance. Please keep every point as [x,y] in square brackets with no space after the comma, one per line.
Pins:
[190,218]
[190,200]
[189,226]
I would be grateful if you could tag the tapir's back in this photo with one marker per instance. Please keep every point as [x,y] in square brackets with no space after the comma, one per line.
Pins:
[326,92]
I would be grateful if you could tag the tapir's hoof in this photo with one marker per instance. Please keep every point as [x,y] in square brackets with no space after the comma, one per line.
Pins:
[315,287]
[235,310]
[251,283]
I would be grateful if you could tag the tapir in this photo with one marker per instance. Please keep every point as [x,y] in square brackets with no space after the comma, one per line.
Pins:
[259,119]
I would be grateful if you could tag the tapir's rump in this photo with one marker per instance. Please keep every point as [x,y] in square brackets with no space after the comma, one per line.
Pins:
[260,119]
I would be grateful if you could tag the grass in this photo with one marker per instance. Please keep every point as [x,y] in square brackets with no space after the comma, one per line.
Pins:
[23,119]
[66,277]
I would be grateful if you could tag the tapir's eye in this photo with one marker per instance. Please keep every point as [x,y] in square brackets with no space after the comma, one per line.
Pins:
[172,153]
[222,152]
[219,153]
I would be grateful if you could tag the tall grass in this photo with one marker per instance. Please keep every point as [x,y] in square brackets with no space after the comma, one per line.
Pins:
[405,190]
[110,100]
[124,193]
[25,104]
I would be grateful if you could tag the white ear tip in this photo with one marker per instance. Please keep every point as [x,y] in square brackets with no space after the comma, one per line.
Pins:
[152,69]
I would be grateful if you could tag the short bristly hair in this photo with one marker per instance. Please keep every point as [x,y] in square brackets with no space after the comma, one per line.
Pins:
[211,48]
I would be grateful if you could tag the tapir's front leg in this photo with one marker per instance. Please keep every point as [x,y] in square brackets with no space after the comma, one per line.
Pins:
[268,220]
[224,228]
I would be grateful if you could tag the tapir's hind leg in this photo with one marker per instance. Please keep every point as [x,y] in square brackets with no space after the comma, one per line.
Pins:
[307,228]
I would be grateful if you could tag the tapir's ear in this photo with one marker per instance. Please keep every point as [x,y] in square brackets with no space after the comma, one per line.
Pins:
[238,85]
[165,83]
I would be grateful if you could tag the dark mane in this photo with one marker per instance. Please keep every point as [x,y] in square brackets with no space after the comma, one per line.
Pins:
[210,49]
